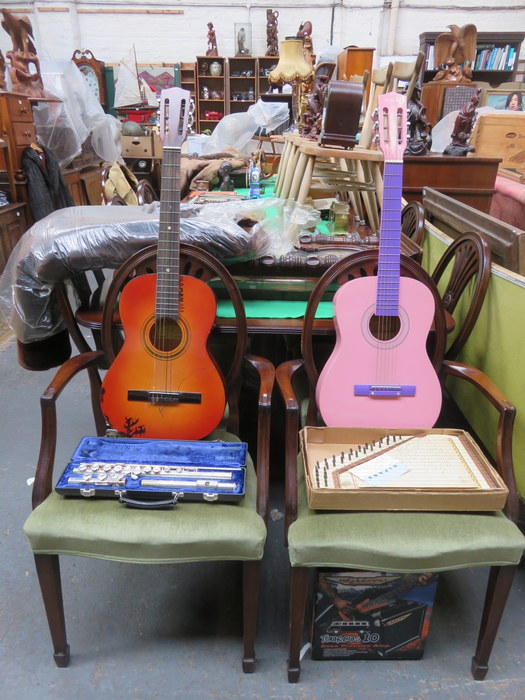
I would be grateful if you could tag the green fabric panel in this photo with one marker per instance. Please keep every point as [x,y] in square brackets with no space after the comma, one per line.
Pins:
[273,308]
[492,347]
[105,529]
[401,541]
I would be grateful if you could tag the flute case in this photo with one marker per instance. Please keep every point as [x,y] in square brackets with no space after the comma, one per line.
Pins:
[155,473]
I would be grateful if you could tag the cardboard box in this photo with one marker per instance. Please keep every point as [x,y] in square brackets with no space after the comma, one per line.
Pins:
[371,615]
[501,136]
[455,477]
[142,146]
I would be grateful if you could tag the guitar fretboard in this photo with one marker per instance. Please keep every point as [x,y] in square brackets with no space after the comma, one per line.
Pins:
[387,302]
[168,256]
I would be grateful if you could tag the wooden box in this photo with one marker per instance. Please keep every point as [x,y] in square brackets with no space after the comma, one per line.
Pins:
[454,476]
[501,136]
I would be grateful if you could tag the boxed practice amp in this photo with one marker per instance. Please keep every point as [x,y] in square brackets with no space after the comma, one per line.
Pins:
[372,615]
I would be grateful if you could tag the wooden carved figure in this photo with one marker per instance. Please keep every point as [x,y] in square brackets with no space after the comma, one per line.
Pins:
[212,41]
[24,70]
[305,33]
[419,140]
[455,52]
[463,127]
[2,72]
[271,33]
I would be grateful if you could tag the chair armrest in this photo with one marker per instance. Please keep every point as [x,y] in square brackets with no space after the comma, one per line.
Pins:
[507,414]
[284,375]
[266,372]
[46,458]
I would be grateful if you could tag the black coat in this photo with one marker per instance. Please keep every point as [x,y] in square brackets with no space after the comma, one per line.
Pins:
[47,189]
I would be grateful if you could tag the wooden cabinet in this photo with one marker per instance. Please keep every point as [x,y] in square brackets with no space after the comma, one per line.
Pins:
[469,179]
[242,83]
[354,60]
[12,226]
[17,129]
[504,63]
[211,91]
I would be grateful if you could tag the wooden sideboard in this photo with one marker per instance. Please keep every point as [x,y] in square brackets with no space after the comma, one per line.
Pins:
[468,179]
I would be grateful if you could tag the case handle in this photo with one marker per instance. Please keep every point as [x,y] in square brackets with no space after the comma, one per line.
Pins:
[148,504]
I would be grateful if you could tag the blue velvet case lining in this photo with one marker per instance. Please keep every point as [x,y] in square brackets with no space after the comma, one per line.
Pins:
[196,470]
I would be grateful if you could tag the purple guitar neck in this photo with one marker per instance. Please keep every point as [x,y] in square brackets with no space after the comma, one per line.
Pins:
[387,301]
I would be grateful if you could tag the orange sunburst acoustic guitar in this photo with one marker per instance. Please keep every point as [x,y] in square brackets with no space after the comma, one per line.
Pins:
[163,383]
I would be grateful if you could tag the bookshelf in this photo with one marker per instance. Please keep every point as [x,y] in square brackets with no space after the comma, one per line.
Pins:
[496,60]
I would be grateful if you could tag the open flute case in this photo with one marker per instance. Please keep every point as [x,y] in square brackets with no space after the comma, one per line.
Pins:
[155,473]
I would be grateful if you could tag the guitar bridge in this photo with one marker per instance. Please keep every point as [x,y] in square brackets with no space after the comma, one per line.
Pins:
[165,396]
[384,390]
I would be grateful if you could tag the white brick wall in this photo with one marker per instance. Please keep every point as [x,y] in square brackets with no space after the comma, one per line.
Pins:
[170,38]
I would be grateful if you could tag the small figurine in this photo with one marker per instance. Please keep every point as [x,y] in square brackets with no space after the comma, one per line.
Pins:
[463,128]
[305,33]
[212,41]
[225,171]
[241,43]
[271,33]
[419,140]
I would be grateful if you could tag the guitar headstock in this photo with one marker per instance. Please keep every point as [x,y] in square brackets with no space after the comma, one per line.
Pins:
[174,114]
[392,109]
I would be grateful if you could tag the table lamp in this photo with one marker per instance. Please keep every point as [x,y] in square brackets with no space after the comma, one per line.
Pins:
[293,70]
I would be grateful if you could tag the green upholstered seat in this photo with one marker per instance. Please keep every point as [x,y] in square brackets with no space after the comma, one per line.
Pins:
[386,541]
[105,529]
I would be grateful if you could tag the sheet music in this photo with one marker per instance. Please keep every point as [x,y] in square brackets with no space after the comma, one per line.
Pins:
[415,461]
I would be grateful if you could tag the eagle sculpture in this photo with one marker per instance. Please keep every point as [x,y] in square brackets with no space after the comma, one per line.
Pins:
[454,53]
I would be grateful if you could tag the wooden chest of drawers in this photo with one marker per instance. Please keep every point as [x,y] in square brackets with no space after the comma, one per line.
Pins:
[17,125]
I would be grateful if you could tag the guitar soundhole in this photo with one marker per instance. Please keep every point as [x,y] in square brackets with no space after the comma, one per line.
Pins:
[165,335]
[384,327]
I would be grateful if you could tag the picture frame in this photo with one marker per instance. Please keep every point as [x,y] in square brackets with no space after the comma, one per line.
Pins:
[497,97]
[242,38]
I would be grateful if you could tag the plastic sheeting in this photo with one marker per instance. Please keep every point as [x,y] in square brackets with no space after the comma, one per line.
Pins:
[238,129]
[79,239]
[64,125]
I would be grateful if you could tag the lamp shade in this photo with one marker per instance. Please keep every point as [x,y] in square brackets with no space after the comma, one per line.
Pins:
[291,66]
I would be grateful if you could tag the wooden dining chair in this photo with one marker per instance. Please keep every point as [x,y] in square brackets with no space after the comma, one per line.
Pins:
[393,541]
[102,528]
[413,221]
[466,267]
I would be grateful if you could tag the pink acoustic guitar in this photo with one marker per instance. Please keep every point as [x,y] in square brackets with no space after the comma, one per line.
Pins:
[163,383]
[379,374]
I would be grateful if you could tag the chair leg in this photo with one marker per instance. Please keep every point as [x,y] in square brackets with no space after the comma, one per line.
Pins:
[48,571]
[298,593]
[251,573]
[498,588]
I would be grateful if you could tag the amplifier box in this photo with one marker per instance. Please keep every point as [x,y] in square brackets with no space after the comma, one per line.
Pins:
[372,615]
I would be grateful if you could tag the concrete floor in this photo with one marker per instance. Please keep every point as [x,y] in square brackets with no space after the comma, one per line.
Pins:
[175,631]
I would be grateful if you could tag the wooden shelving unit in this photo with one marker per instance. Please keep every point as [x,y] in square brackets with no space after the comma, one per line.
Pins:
[242,83]
[485,40]
[187,79]
[264,65]
[213,107]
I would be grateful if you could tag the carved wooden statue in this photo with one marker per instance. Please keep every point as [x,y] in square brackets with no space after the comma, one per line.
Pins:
[463,127]
[419,140]
[24,70]
[305,33]
[312,117]
[455,52]
[2,72]
[271,33]
[212,41]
